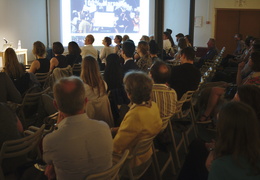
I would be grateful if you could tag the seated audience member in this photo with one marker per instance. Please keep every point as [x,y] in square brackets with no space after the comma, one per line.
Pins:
[74,56]
[185,77]
[168,44]
[80,146]
[16,71]
[194,166]
[217,92]
[178,36]
[240,45]
[58,60]
[118,47]
[153,47]
[211,53]
[125,38]
[11,129]
[188,40]
[8,92]
[237,151]
[41,64]
[113,75]
[250,95]
[89,49]
[160,73]
[127,53]
[108,49]
[145,62]
[98,106]
[142,120]
[145,38]
[181,45]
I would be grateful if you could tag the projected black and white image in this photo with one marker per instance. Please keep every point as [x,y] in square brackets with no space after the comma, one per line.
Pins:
[105,16]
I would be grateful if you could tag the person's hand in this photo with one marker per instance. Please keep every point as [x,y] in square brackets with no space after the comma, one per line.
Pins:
[50,172]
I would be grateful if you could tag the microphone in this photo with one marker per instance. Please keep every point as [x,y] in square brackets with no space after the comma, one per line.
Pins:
[5,40]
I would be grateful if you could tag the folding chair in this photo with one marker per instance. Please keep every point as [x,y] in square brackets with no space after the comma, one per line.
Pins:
[111,173]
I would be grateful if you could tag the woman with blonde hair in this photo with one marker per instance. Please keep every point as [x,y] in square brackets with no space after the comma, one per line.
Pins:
[98,106]
[41,64]
[16,71]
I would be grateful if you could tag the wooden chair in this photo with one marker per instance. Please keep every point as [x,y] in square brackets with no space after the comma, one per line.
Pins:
[169,161]
[111,173]
[30,100]
[20,147]
[133,173]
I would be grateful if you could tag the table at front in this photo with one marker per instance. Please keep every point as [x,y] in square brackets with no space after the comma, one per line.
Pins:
[18,52]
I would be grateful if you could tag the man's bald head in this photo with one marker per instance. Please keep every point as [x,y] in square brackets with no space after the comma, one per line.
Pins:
[69,94]
[160,72]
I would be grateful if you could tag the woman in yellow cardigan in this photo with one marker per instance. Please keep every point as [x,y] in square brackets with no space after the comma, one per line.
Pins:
[142,120]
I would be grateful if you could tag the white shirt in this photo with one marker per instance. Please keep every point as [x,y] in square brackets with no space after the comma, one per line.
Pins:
[79,147]
[89,50]
[105,52]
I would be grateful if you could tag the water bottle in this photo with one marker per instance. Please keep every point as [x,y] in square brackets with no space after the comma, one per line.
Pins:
[19,44]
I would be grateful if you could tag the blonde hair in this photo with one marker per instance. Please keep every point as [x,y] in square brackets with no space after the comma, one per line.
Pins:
[12,67]
[90,74]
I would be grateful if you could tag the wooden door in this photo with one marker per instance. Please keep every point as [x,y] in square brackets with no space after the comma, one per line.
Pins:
[232,21]
[249,23]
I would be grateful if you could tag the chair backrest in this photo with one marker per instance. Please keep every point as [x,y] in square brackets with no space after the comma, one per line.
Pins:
[165,122]
[42,77]
[112,172]
[19,147]
[187,96]
[31,99]
[142,147]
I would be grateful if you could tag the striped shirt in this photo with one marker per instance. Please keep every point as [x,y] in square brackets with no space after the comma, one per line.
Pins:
[166,98]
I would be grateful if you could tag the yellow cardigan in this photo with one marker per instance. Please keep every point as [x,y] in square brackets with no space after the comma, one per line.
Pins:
[139,122]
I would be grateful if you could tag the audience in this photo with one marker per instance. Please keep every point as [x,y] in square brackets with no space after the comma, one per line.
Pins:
[125,38]
[16,71]
[106,50]
[188,40]
[127,53]
[41,64]
[98,106]
[178,36]
[237,151]
[153,47]
[118,47]
[164,96]
[80,146]
[145,61]
[211,53]
[142,120]
[185,77]
[89,49]
[58,60]
[181,45]
[74,56]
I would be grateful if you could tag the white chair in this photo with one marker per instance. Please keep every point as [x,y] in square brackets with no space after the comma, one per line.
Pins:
[111,173]
[133,173]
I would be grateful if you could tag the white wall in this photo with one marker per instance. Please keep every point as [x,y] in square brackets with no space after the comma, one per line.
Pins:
[176,16]
[23,20]
[207,9]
